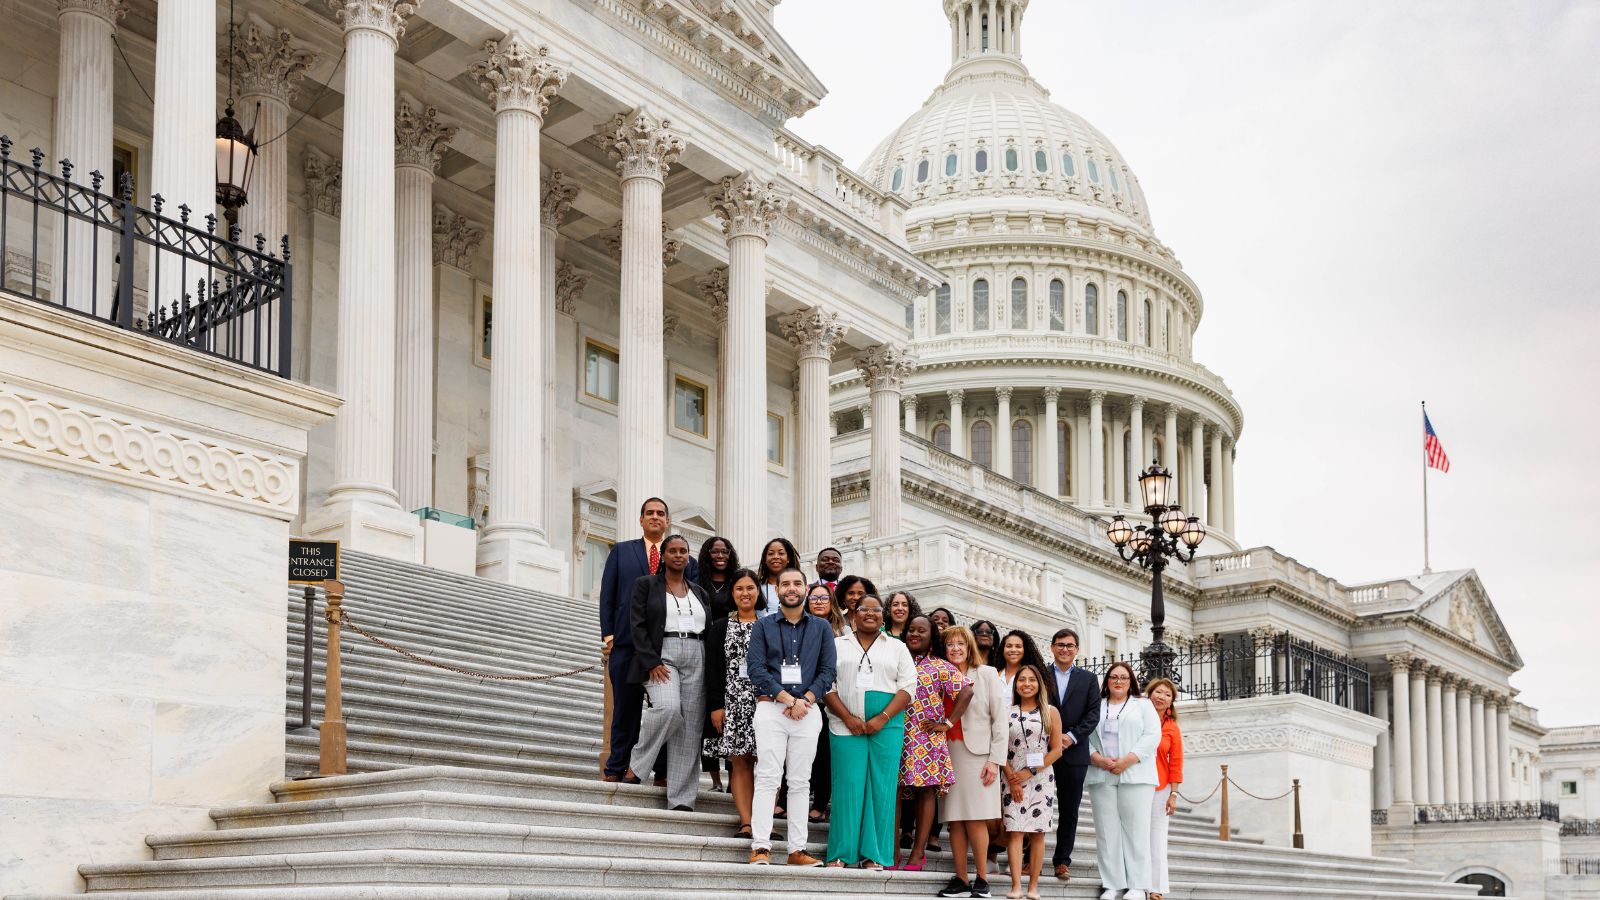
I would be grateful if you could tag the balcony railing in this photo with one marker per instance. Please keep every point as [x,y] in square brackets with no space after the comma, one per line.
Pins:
[1488,812]
[1238,668]
[1580,828]
[101,255]
[1579,865]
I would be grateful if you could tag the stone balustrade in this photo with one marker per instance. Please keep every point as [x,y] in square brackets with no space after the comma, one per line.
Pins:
[825,174]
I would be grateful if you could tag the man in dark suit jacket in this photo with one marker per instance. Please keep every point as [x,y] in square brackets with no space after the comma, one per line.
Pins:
[629,561]
[1075,693]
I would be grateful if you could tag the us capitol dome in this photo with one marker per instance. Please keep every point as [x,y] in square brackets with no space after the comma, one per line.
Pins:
[1058,352]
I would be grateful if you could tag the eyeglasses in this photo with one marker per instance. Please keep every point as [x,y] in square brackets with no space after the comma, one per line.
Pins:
[1064,646]
[1117,678]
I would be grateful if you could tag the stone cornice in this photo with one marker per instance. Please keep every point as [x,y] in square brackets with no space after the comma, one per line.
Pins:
[827,234]
[1257,591]
[1277,738]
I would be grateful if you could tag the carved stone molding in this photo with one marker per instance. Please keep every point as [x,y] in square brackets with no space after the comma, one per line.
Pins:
[570,282]
[324,178]
[885,367]
[746,207]
[1399,662]
[96,440]
[956,396]
[1093,610]
[814,332]
[714,287]
[386,16]
[269,64]
[455,239]
[1003,393]
[556,199]
[669,325]
[642,145]
[1136,624]
[420,139]
[1278,738]
[110,10]
[518,75]
[1052,393]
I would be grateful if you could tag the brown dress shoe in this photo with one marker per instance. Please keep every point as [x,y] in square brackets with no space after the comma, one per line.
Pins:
[611,778]
[1063,874]
[759,857]
[802,858]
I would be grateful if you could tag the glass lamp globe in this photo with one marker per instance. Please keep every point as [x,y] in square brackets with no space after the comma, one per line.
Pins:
[1193,532]
[1141,540]
[1156,486]
[1172,521]
[1119,531]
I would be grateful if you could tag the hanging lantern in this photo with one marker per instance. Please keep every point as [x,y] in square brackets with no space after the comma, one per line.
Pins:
[236,158]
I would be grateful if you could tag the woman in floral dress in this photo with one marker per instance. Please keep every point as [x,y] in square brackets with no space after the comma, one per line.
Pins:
[731,697]
[1030,779]
[941,697]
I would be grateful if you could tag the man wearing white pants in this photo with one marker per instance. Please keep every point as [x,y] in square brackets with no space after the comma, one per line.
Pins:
[791,663]
[1122,785]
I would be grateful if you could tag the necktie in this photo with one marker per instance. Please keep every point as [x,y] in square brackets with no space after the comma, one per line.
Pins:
[655,559]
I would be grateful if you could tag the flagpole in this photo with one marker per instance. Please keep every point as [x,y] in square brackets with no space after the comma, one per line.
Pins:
[1426,567]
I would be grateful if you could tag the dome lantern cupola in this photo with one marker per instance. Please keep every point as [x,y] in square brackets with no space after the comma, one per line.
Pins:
[986,33]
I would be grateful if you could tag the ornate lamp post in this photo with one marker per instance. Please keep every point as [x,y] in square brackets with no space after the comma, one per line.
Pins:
[1170,536]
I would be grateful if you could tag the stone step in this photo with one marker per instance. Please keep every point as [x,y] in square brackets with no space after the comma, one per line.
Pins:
[557,652]
[375,663]
[367,697]
[464,593]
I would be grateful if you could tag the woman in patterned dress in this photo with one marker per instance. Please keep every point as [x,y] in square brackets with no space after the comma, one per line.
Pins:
[731,697]
[941,697]
[1030,779]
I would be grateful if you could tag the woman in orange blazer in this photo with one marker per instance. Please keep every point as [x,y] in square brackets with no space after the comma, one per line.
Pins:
[1163,695]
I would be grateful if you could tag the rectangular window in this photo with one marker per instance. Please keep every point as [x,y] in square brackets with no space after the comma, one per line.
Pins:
[600,369]
[689,406]
[774,439]
[594,566]
[125,161]
[1569,789]
[483,324]
[1111,645]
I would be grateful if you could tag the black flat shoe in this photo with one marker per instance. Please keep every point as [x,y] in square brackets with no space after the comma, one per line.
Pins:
[744,832]
[681,808]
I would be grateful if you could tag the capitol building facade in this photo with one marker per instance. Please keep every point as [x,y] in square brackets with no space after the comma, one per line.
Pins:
[542,260]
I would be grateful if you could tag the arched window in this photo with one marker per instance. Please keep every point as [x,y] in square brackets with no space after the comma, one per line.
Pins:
[1487,885]
[980,305]
[1166,338]
[1013,160]
[1063,458]
[941,310]
[1094,171]
[1067,167]
[941,437]
[981,163]
[1041,161]
[983,444]
[1022,451]
[1122,315]
[950,163]
[1115,184]
[1144,326]
[1019,303]
[899,179]
[986,32]
[1058,305]
[922,171]
[1091,309]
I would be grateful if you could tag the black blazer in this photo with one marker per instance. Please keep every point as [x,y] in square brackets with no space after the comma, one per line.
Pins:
[648,614]
[1079,711]
[627,563]
[720,596]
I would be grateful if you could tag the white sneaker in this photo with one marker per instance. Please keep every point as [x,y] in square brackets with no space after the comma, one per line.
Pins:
[1108,894]
[1134,895]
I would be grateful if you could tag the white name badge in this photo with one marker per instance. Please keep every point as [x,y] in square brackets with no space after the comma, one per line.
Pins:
[864,678]
[686,624]
[1035,760]
[789,674]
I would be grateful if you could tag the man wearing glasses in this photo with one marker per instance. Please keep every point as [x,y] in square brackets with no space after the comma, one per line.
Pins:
[1076,697]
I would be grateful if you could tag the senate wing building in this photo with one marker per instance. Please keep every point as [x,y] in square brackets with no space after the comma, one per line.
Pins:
[459,284]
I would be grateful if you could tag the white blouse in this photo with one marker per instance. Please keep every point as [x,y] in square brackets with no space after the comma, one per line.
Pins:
[885,666]
[686,607]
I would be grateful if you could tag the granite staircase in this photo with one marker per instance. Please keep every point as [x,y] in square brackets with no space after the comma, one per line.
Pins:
[467,788]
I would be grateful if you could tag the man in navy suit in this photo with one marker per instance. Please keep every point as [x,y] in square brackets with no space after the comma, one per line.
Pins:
[629,561]
[1075,693]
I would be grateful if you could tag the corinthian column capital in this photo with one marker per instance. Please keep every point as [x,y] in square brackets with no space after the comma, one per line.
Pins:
[746,206]
[385,16]
[420,139]
[268,62]
[518,75]
[557,199]
[642,145]
[714,287]
[110,10]
[455,239]
[885,367]
[813,332]
[324,178]
[570,282]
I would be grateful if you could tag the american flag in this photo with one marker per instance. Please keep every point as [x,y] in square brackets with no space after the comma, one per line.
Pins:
[1433,449]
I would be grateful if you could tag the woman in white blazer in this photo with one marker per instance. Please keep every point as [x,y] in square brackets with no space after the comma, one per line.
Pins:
[1122,783]
[978,744]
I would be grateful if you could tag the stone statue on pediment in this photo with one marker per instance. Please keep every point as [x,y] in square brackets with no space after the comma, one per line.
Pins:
[1463,618]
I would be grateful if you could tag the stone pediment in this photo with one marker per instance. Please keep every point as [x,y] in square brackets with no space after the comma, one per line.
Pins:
[1462,609]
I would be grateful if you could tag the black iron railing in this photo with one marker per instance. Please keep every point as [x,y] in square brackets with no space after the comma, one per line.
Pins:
[1239,666]
[99,252]
[1488,812]
[1380,817]
[1580,827]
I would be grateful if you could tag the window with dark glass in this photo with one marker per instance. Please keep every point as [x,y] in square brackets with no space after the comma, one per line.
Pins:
[980,305]
[601,368]
[899,179]
[1122,315]
[1063,457]
[983,444]
[1022,451]
[982,162]
[941,437]
[941,310]
[985,32]
[1144,327]
[1094,171]
[1067,166]
[1091,309]
[922,171]
[1115,184]
[1058,305]
[1041,161]
[1013,160]
[1019,303]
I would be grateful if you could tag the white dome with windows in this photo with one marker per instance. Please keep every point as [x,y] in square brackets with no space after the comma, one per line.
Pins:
[990,131]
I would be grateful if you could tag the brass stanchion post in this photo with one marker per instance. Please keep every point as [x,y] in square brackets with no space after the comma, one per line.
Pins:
[1299,838]
[332,744]
[1222,822]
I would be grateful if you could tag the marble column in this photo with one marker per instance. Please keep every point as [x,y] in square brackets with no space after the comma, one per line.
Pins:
[556,198]
[1119,460]
[1490,764]
[885,369]
[1137,440]
[1227,486]
[1382,754]
[519,80]
[1465,749]
[1419,733]
[1002,431]
[1503,743]
[958,427]
[362,507]
[714,288]
[909,402]
[1436,792]
[1215,500]
[1097,451]
[183,165]
[1400,676]
[420,141]
[748,208]
[1197,495]
[1451,739]
[268,65]
[1169,449]
[84,91]
[1480,785]
[1049,467]
[814,333]
[644,148]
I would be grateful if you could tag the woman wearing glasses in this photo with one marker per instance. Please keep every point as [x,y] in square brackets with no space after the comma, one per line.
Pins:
[1122,784]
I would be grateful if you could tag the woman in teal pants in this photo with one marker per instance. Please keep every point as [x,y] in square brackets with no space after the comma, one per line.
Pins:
[873,684]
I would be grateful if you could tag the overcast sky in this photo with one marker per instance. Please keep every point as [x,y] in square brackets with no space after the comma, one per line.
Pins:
[1382,203]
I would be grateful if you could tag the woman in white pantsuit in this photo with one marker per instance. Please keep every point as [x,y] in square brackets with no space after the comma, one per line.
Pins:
[1122,784]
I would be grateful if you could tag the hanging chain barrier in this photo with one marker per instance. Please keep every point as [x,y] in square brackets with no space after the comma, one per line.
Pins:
[493,676]
[1297,840]
[1192,800]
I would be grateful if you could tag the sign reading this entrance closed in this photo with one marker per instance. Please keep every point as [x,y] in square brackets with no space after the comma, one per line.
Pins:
[313,562]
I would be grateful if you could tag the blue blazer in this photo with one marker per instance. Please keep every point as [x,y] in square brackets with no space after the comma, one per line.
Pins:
[627,563]
[1079,711]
